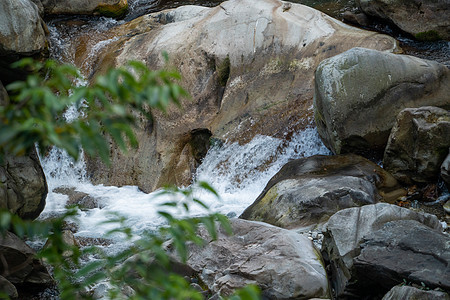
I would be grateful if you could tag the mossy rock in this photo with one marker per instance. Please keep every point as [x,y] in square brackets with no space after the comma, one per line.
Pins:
[428,36]
[112,10]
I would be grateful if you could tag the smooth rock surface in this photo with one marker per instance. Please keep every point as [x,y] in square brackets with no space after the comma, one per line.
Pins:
[359,93]
[248,65]
[418,144]
[308,191]
[412,293]
[113,8]
[284,264]
[347,229]
[22,265]
[21,28]
[403,249]
[426,20]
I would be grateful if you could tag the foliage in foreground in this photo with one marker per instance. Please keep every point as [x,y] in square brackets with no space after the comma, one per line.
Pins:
[109,109]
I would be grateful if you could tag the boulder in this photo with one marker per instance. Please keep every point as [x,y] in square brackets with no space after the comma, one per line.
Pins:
[110,8]
[284,264]
[359,93]
[418,144]
[402,250]
[247,64]
[22,31]
[309,190]
[445,170]
[426,20]
[410,293]
[83,200]
[8,288]
[23,187]
[20,265]
[348,229]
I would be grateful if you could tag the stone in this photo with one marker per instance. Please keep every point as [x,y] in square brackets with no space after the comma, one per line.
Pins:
[309,190]
[22,31]
[23,187]
[445,170]
[418,144]
[110,8]
[284,264]
[360,19]
[410,293]
[22,267]
[402,250]
[426,20]
[354,116]
[83,200]
[248,66]
[8,288]
[347,229]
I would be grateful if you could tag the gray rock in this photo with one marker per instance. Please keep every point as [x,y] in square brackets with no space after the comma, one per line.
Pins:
[402,249]
[418,144]
[114,8]
[445,170]
[412,293]
[22,31]
[22,267]
[426,20]
[308,191]
[83,200]
[354,116]
[248,65]
[284,264]
[346,230]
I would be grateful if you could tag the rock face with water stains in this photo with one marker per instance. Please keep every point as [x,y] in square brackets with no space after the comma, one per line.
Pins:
[111,8]
[359,93]
[284,264]
[426,20]
[23,188]
[23,269]
[308,191]
[247,64]
[373,247]
[418,144]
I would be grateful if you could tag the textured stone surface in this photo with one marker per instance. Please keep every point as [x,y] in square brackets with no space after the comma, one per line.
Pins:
[8,288]
[403,249]
[284,264]
[247,64]
[423,19]
[418,144]
[347,229]
[104,7]
[359,93]
[21,28]
[412,293]
[308,191]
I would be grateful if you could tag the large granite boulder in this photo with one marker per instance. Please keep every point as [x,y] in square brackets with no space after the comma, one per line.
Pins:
[426,20]
[359,93]
[411,293]
[309,190]
[111,8]
[418,144]
[19,264]
[247,64]
[416,250]
[284,264]
[23,187]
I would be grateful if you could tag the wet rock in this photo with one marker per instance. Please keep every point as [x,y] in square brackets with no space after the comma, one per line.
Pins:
[403,249]
[21,28]
[20,265]
[308,191]
[353,116]
[418,144]
[284,264]
[426,20]
[83,200]
[248,66]
[356,18]
[445,170]
[411,293]
[110,8]
[348,229]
